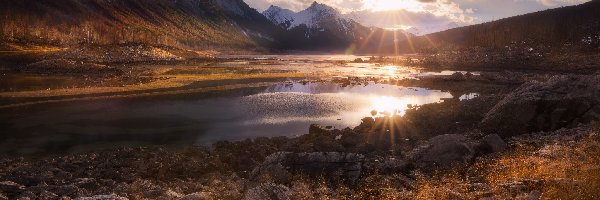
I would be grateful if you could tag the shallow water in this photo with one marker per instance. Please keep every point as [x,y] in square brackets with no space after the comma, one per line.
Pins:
[279,110]
[20,82]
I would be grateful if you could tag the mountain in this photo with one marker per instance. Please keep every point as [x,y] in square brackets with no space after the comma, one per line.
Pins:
[321,27]
[187,24]
[566,27]
[282,17]
[312,16]
[199,24]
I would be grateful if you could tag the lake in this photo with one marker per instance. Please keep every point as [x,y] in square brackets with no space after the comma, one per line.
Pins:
[202,119]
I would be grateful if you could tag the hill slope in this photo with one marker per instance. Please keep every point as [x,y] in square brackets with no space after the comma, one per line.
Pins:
[574,25]
[201,24]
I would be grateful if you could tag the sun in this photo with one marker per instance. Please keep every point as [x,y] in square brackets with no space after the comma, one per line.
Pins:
[388,104]
[385,5]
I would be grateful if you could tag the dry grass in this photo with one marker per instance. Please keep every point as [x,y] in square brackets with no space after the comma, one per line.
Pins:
[560,169]
[173,83]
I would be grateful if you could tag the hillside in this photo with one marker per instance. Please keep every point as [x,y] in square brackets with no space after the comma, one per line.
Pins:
[194,24]
[577,26]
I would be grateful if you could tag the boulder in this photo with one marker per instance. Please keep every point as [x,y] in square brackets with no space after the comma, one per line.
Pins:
[445,150]
[492,144]
[457,76]
[281,166]
[562,101]
[268,191]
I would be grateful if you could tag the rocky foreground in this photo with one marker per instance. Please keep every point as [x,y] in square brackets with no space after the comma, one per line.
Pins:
[540,141]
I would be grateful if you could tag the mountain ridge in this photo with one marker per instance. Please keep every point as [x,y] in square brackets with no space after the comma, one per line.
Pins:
[556,27]
[322,27]
[194,24]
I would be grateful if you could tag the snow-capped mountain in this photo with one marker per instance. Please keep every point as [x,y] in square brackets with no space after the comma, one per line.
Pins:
[321,27]
[281,17]
[311,16]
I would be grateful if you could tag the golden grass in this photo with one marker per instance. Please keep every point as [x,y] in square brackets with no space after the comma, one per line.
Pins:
[172,83]
[560,170]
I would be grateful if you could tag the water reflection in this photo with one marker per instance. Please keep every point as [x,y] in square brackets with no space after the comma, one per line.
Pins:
[280,110]
[469,96]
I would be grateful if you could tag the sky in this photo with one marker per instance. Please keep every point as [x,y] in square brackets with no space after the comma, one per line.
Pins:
[422,16]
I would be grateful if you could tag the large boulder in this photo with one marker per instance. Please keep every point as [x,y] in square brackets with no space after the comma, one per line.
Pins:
[562,101]
[279,167]
[444,151]
[492,144]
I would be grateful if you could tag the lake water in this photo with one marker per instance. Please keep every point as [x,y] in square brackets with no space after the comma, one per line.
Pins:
[278,110]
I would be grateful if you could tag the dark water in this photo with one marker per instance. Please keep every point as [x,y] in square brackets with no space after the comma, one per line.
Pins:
[179,121]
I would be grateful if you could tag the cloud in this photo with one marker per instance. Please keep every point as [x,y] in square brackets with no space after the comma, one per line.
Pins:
[415,22]
[425,15]
[447,8]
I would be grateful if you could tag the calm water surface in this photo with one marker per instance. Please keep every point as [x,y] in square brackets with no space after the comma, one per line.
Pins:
[279,110]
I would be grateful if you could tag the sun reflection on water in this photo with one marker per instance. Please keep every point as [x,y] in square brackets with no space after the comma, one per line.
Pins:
[386,104]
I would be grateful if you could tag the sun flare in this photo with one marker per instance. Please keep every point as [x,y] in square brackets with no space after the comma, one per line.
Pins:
[384,5]
[388,104]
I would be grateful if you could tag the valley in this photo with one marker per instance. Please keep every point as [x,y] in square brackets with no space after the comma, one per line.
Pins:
[215,99]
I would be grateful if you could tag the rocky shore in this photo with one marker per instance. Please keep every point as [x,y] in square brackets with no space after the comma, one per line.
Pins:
[540,140]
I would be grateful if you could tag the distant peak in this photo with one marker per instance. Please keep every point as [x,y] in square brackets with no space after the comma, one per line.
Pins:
[315,5]
[319,6]
[274,7]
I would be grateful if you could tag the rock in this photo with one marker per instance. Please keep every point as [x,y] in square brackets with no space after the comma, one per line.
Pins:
[3,197]
[445,150]
[394,166]
[351,139]
[47,195]
[268,191]
[102,197]
[374,112]
[281,166]
[194,196]
[172,194]
[66,190]
[457,76]
[272,168]
[87,183]
[492,144]
[317,129]
[11,188]
[533,195]
[562,101]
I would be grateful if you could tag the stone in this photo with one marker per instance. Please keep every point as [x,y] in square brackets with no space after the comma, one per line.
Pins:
[9,187]
[560,102]
[268,191]
[102,197]
[282,165]
[457,76]
[492,144]
[194,196]
[445,150]
[317,129]
[272,168]
[534,195]
[394,166]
